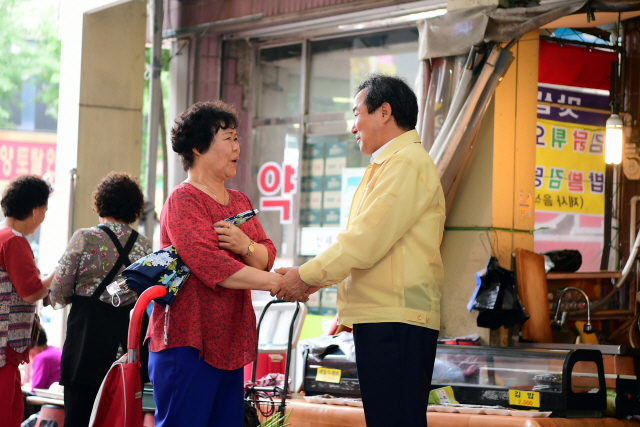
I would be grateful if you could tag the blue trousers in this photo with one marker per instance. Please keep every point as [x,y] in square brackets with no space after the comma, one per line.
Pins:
[189,392]
[395,364]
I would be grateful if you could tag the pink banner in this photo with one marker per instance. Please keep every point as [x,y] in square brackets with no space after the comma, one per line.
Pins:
[20,158]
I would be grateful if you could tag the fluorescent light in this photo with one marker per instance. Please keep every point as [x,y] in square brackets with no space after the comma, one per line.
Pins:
[388,22]
[341,99]
[613,140]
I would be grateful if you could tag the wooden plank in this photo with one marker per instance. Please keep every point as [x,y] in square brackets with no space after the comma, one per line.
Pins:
[602,274]
[532,289]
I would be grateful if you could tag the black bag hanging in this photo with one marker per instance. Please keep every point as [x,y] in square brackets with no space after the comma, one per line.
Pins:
[250,416]
[564,260]
[497,300]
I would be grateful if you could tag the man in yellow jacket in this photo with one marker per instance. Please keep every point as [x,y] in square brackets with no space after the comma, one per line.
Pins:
[387,262]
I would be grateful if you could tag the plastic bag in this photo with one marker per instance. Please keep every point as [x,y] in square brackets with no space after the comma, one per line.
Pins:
[564,260]
[320,346]
[497,300]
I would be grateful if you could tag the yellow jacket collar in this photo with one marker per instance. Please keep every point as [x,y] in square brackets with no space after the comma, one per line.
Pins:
[397,144]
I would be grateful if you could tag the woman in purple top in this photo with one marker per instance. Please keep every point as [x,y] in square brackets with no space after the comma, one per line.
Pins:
[46,363]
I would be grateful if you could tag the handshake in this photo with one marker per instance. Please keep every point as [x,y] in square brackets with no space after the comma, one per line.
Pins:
[288,286]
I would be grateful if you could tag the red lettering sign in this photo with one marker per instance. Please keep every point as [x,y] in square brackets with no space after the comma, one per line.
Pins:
[290,174]
[269,178]
[20,158]
[282,204]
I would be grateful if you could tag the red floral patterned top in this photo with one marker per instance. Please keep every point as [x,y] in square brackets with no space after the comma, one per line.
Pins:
[218,321]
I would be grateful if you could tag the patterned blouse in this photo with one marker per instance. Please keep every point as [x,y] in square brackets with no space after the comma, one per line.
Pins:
[218,321]
[89,257]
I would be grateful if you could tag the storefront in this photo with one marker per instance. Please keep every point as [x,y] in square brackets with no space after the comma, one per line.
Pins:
[292,83]
[307,170]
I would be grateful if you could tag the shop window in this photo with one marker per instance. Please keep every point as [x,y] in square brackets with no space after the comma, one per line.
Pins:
[275,148]
[332,164]
[338,65]
[279,75]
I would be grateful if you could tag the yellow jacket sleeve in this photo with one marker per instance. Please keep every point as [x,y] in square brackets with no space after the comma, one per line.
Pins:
[395,198]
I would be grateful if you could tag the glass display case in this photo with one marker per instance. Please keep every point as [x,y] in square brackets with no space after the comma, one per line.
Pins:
[569,383]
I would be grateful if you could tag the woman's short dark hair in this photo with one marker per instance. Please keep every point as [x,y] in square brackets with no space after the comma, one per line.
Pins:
[42,337]
[119,196]
[196,127]
[23,195]
[395,91]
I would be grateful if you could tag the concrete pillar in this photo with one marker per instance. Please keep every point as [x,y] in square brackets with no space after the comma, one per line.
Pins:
[100,113]
[178,102]
[496,191]
[99,118]
[111,89]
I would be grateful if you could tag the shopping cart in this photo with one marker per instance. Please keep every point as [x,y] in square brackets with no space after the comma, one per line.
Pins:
[271,399]
[119,400]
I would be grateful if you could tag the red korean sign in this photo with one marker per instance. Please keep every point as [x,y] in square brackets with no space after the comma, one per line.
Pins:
[277,184]
[25,157]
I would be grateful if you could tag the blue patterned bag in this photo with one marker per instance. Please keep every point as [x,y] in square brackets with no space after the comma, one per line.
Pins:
[163,267]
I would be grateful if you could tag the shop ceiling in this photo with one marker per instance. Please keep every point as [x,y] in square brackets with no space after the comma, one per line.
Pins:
[257,26]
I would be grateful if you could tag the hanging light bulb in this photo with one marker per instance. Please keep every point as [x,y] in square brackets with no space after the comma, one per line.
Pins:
[613,140]
[613,136]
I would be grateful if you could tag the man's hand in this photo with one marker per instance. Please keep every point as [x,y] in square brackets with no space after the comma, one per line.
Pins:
[310,290]
[291,287]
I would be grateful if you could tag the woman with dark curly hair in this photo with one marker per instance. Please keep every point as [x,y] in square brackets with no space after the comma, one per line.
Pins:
[97,326]
[24,204]
[196,368]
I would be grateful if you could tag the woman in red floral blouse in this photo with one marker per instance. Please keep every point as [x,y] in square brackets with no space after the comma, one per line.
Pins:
[196,369]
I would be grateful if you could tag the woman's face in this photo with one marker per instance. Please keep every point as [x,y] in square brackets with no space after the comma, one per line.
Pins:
[221,159]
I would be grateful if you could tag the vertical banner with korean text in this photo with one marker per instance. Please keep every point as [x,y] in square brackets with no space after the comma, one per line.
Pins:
[570,173]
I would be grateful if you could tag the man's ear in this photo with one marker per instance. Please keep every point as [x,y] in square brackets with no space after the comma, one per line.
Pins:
[196,152]
[385,109]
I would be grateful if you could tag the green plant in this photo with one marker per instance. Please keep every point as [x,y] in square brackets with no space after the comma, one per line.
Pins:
[277,420]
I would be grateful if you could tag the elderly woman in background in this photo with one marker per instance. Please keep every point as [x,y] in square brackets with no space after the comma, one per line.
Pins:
[196,369]
[97,328]
[24,204]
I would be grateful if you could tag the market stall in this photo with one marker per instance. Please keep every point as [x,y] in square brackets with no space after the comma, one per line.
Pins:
[569,384]
[305,414]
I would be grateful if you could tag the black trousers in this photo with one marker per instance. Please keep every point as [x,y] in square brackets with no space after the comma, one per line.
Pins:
[78,403]
[395,364]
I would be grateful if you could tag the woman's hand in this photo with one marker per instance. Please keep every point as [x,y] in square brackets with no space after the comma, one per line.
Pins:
[232,238]
[47,280]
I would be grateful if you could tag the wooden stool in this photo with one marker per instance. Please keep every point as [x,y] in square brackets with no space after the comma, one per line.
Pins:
[51,412]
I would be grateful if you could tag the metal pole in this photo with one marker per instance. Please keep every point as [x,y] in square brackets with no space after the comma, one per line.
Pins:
[73,173]
[155,98]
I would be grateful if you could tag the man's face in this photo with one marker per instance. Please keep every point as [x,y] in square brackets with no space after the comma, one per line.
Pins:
[366,127]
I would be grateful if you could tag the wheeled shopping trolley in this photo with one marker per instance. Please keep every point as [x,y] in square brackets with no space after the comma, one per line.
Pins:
[269,400]
[119,400]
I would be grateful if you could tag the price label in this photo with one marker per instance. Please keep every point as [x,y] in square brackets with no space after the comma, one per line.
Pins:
[445,395]
[327,375]
[524,398]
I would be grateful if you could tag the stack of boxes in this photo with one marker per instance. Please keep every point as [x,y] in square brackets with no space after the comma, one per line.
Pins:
[320,199]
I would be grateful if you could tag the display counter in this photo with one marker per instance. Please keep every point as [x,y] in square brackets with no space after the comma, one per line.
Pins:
[305,414]
[569,381]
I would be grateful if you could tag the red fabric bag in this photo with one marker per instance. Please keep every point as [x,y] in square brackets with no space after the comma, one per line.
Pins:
[119,400]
